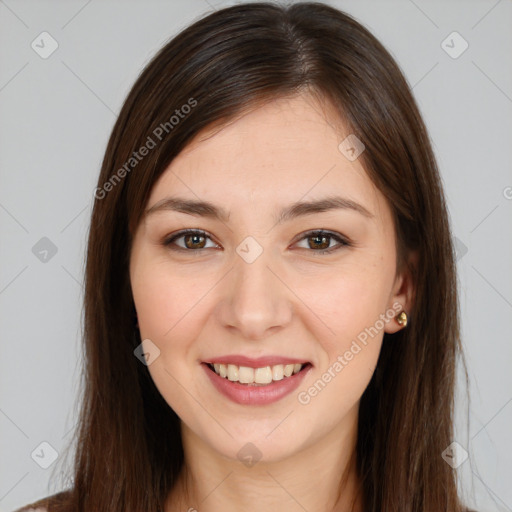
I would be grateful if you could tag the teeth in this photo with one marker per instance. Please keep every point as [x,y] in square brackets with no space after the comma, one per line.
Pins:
[245,375]
[264,375]
[277,372]
[232,372]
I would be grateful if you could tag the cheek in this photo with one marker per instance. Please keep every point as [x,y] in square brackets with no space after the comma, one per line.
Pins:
[351,312]
[339,385]
[164,300]
[168,308]
[350,303]
[348,300]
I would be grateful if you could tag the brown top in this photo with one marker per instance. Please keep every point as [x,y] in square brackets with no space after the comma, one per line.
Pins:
[42,504]
[38,506]
[32,509]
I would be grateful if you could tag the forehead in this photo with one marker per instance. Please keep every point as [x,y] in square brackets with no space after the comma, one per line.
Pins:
[282,129]
[281,152]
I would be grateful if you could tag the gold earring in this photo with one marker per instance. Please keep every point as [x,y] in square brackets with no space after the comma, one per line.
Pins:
[402,319]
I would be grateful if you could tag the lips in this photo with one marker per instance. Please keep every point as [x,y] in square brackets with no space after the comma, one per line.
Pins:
[253,393]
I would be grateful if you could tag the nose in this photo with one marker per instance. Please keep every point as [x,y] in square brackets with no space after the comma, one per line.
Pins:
[256,302]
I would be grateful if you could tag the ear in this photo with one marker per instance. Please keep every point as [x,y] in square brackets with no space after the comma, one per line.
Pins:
[403,293]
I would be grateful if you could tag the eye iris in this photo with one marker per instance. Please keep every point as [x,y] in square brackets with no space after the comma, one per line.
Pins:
[321,245]
[195,238]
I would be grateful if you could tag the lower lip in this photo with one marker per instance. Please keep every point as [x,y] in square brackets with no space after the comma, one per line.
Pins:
[256,395]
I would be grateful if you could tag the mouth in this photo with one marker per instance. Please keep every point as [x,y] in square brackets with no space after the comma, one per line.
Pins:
[257,377]
[256,385]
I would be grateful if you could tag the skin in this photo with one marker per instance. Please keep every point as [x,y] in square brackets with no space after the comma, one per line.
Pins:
[290,301]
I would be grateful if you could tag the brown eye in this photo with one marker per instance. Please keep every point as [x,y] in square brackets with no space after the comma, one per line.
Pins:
[320,241]
[193,241]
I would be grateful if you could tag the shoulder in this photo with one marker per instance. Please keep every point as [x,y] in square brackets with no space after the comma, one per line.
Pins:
[31,508]
[46,504]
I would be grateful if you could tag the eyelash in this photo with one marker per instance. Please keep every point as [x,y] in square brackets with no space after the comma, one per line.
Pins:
[310,234]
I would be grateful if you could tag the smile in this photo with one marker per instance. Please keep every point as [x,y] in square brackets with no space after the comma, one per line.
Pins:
[263,385]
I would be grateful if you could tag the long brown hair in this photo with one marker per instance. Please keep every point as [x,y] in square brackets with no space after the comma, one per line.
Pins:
[128,441]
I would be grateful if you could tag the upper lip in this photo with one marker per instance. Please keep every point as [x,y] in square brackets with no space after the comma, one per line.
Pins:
[258,362]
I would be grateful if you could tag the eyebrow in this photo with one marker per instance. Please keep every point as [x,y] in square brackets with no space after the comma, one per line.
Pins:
[298,209]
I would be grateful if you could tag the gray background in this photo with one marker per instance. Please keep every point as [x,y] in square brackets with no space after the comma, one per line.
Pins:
[55,118]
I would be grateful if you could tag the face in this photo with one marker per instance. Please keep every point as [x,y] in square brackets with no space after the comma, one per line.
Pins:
[314,285]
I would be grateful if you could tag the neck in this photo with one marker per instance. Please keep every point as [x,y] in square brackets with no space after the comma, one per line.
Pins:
[321,477]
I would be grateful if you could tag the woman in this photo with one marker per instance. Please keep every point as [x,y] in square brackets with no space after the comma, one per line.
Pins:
[271,316]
